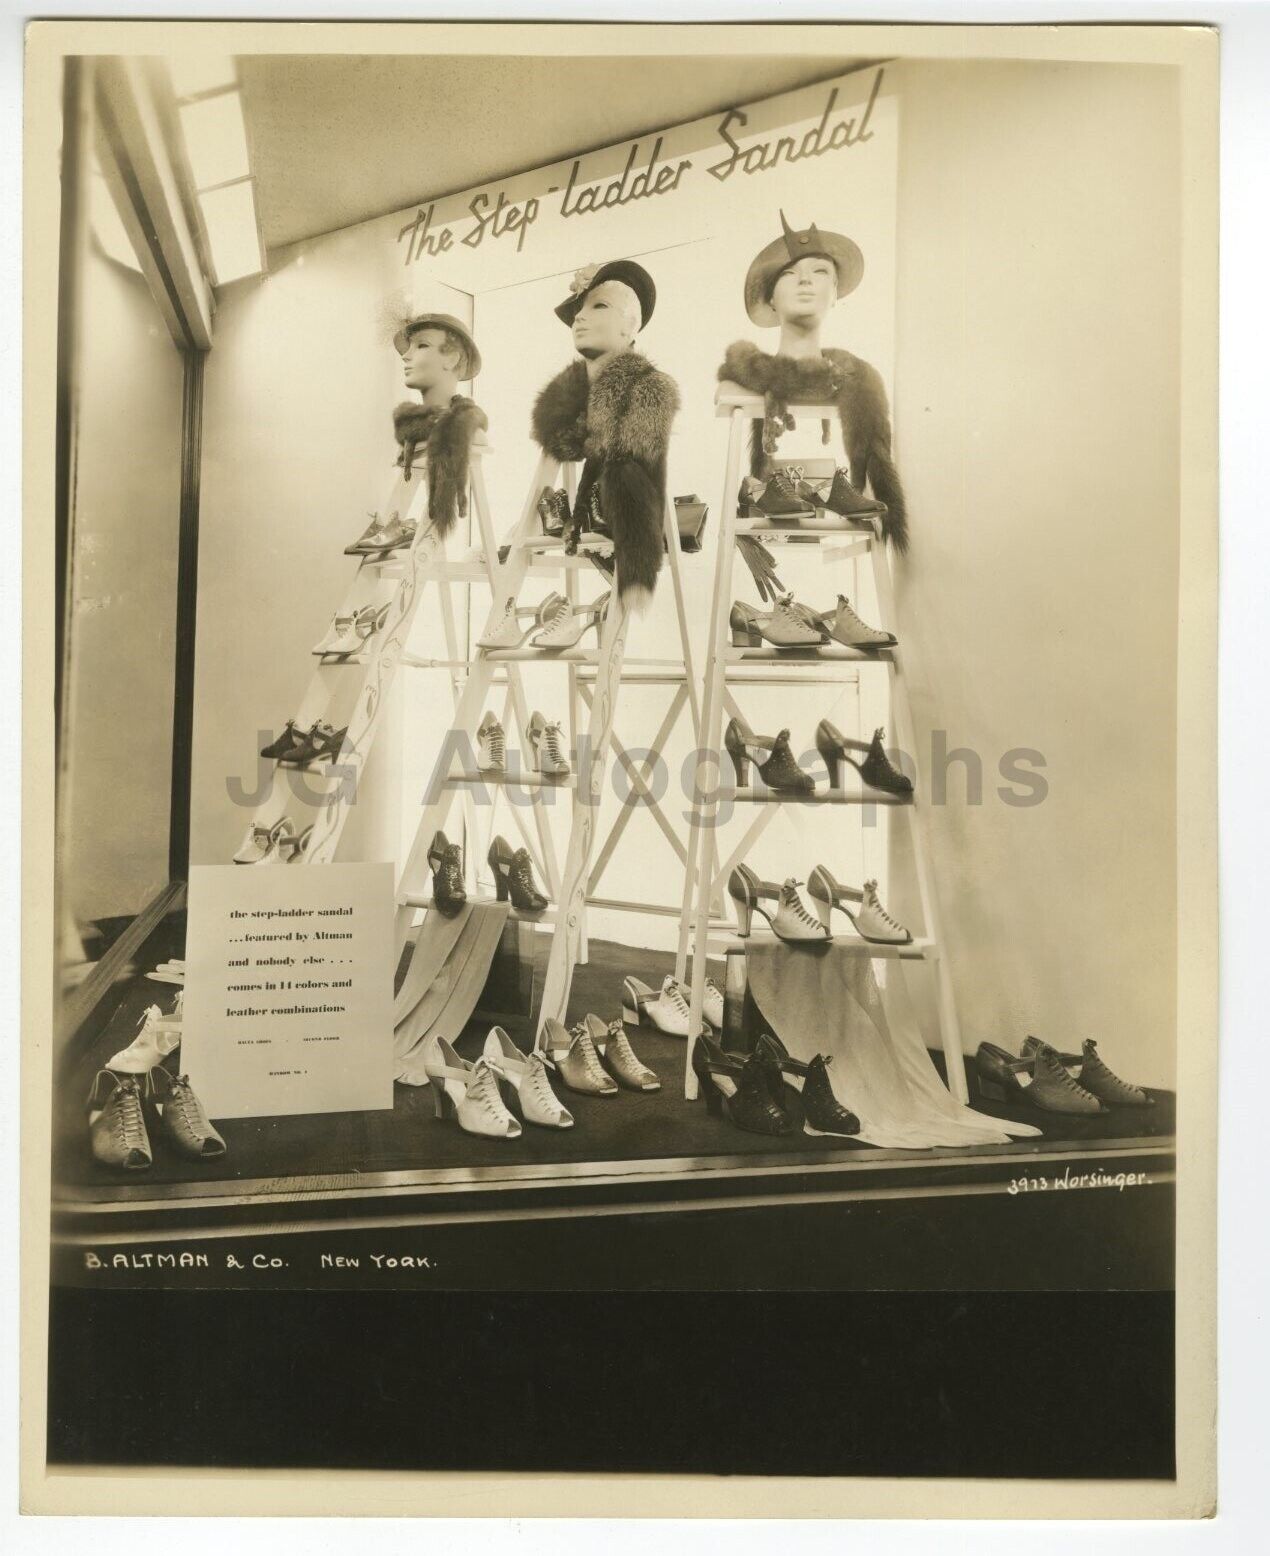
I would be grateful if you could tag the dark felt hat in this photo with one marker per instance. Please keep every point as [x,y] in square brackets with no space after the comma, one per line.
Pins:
[624,270]
[790,246]
[440,321]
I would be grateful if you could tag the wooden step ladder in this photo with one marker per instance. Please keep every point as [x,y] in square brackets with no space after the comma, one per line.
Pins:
[705,931]
[595,677]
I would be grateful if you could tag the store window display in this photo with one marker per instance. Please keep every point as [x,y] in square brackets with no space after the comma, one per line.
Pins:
[613,410]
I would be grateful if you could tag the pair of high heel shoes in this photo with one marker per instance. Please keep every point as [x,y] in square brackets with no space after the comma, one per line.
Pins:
[668,1009]
[547,748]
[512,869]
[792,922]
[475,1094]
[318,744]
[788,497]
[1080,1083]
[558,625]
[118,1135]
[774,759]
[752,1092]
[348,634]
[561,522]
[595,1057]
[276,844]
[789,626]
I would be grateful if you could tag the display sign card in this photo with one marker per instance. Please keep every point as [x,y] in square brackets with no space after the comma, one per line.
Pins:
[288,989]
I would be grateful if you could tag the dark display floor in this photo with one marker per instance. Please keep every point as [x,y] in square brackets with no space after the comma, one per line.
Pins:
[656,1141]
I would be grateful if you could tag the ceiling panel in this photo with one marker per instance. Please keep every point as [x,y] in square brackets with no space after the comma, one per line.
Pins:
[337,139]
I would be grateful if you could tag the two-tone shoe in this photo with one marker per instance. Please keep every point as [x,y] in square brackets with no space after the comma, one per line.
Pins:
[181,1119]
[1039,1078]
[548,749]
[262,842]
[117,1132]
[790,921]
[823,1114]
[570,1051]
[618,1057]
[785,626]
[771,755]
[1090,1070]
[870,760]
[862,906]
[491,746]
[513,624]
[843,625]
[157,1036]
[741,1090]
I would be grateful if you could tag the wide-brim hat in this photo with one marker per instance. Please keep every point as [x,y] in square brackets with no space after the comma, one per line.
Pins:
[791,246]
[624,270]
[440,321]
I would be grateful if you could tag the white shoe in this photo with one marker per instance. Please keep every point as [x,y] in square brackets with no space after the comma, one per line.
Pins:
[667,1011]
[516,622]
[491,746]
[154,1041]
[468,1093]
[566,627]
[873,922]
[258,847]
[528,1074]
[712,1005]
[547,748]
[337,633]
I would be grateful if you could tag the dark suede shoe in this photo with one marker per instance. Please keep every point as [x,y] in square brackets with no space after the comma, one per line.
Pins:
[1093,1074]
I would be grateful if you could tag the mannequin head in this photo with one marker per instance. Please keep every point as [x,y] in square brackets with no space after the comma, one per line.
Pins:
[434,359]
[803,293]
[607,320]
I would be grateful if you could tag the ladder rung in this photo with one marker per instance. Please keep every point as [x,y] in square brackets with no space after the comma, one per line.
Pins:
[917,950]
[748,796]
[784,678]
[642,678]
[807,656]
[803,533]
[618,905]
[514,780]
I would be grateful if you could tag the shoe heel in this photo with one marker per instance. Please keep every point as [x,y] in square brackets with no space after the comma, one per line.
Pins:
[741,763]
[501,889]
[630,1017]
[834,763]
[744,915]
[442,1102]
[824,911]
[992,1091]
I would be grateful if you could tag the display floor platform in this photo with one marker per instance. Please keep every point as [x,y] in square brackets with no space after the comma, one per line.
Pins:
[629,1144]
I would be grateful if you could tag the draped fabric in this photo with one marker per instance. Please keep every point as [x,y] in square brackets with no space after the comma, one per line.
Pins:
[829,1002]
[444,981]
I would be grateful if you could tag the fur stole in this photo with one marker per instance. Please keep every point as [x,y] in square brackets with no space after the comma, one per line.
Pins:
[837,377]
[445,435]
[619,424]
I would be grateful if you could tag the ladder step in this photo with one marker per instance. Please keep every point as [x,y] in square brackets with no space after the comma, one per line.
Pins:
[917,950]
[826,654]
[527,780]
[807,532]
[861,796]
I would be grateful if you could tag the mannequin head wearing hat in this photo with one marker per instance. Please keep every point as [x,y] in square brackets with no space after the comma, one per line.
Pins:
[801,296]
[607,322]
[434,360]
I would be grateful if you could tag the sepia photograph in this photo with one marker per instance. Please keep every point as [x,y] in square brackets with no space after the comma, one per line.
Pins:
[614,616]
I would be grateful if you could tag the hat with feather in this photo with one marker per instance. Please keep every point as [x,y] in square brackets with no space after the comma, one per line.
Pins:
[402,317]
[787,250]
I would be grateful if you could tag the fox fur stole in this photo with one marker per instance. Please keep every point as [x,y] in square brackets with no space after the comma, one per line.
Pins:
[619,424]
[849,382]
[445,433]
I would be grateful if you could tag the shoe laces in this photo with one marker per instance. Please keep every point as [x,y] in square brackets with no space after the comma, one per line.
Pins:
[538,1084]
[713,988]
[846,608]
[550,742]
[671,991]
[482,1088]
[497,742]
[1059,1071]
[523,870]
[129,1124]
[879,747]
[871,890]
[791,899]
[590,1059]
[181,1094]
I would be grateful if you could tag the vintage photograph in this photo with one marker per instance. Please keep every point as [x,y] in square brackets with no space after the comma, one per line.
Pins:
[617,664]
